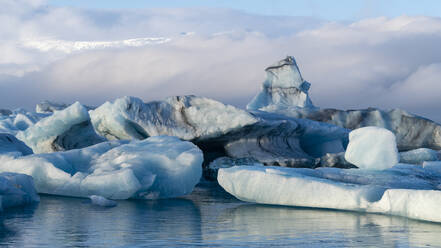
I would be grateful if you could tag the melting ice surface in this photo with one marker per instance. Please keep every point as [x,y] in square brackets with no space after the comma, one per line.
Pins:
[404,190]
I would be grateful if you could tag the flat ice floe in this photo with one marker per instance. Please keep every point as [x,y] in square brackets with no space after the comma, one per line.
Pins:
[157,167]
[404,190]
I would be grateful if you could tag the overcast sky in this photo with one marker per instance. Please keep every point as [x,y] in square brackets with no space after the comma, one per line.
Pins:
[356,54]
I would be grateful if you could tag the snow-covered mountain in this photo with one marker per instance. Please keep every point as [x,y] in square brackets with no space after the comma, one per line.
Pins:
[66,46]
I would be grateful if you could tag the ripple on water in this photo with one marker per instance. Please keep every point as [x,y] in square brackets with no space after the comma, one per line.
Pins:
[208,217]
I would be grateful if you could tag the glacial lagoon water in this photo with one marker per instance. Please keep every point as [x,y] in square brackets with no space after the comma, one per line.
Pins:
[208,217]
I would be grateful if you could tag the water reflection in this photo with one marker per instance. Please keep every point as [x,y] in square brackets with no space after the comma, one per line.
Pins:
[8,233]
[62,221]
[313,227]
[208,217]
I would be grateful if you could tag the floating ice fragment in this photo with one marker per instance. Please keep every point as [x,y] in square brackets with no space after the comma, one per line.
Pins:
[372,148]
[406,190]
[102,201]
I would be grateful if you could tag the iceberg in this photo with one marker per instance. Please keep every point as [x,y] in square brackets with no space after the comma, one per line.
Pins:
[157,167]
[18,120]
[279,140]
[411,131]
[404,190]
[16,190]
[221,130]
[186,117]
[372,148]
[67,129]
[285,92]
[284,88]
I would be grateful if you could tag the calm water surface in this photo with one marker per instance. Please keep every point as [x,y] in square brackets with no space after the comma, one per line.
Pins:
[208,217]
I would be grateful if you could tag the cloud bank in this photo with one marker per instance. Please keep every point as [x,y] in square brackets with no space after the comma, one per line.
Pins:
[63,54]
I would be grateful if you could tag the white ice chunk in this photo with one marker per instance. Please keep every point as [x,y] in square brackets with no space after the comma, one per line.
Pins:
[16,190]
[66,129]
[284,88]
[418,156]
[372,148]
[22,121]
[157,167]
[355,190]
[10,144]
[40,136]
[186,117]
[102,201]
[414,204]
[19,120]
